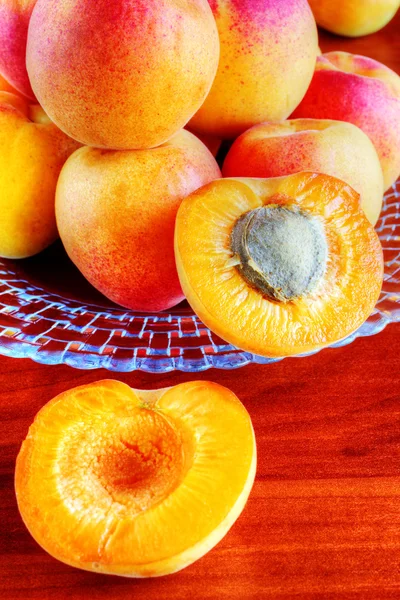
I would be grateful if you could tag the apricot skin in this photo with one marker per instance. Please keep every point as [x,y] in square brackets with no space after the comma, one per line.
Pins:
[268,52]
[126,74]
[116,216]
[336,148]
[212,143]
[14,22]
[7,87]
[353,18]
[32,152]
[362,91]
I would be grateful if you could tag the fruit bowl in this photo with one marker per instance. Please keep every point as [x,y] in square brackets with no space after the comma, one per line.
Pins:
[50,314]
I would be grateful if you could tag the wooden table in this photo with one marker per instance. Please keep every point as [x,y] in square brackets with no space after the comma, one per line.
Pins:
[323,520]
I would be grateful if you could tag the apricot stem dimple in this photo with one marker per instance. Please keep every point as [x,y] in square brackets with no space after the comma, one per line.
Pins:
[282,251]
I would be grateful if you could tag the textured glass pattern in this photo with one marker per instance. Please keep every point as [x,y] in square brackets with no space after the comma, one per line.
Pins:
[51,325]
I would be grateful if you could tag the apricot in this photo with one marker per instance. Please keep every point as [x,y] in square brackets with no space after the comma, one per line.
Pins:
[332,147]
[14,22]
[282,266]
[354,18]
[268,53]
[133,482]
[362,91]
[116,215]
[32,152]
[212,143]
[125,74]
[7,87]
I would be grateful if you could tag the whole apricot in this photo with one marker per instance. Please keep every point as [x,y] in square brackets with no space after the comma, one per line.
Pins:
[125,74]
[268,53]
[362,91]
[32,152]
[336,148]
[116,216]
[14,23]
[354,18]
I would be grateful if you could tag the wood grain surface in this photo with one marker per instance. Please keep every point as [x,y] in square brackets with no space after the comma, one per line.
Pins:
[323,520]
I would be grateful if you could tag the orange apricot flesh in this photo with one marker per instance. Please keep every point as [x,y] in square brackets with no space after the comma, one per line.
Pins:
[132,482]
[327,239]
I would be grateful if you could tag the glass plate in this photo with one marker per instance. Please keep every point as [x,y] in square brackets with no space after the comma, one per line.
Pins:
[49,313]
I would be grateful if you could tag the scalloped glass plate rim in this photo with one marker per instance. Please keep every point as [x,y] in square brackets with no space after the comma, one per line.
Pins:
[160,343]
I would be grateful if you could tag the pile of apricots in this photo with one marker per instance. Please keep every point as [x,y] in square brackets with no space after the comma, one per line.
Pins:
[111,115]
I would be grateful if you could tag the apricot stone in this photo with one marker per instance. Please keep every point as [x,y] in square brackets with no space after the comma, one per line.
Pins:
[282,251]
[268,53]
[125,74]
[116,217]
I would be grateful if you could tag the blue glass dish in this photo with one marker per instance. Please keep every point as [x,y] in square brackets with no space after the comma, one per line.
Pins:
[50,314]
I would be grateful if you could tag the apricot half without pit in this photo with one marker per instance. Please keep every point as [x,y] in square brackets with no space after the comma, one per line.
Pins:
[132,482]
[281,266]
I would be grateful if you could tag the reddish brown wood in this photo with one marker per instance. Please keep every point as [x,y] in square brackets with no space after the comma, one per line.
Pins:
[323,520]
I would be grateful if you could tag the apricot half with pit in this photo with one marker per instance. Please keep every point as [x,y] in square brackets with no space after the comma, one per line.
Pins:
[132,482]
[281,266]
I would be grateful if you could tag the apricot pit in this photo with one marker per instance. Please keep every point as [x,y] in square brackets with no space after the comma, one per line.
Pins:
[282,251]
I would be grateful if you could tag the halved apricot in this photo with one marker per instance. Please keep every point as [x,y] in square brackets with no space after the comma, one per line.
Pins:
[132,482]
[278,266]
